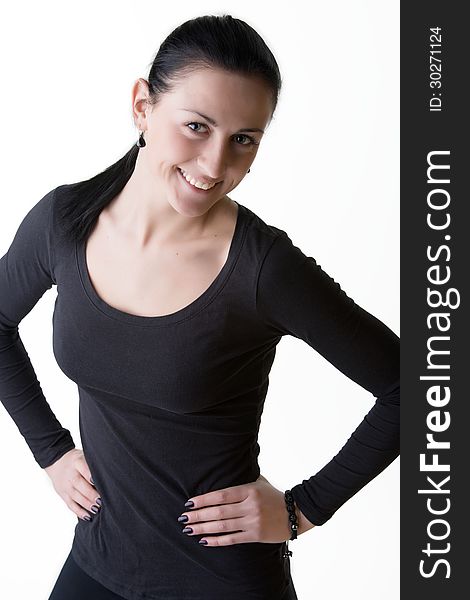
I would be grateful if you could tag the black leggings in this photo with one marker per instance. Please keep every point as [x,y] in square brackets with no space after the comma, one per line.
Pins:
[74,584]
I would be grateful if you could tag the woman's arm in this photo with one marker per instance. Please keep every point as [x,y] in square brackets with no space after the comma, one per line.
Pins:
[26,272]
[296,297]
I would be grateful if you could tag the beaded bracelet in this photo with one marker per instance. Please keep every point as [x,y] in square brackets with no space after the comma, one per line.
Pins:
[294,524]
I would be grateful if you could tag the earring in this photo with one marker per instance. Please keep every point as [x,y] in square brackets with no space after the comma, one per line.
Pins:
[141,142]
[248,170]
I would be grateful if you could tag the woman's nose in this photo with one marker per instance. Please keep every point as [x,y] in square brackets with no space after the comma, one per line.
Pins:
[213,162]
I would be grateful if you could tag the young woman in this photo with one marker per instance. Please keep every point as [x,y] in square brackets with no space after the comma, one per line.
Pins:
[171,301]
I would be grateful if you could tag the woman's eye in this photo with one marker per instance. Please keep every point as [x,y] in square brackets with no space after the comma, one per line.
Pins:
[250,141]
[194,123]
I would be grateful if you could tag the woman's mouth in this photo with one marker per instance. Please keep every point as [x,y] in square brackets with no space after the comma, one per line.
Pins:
[194,186]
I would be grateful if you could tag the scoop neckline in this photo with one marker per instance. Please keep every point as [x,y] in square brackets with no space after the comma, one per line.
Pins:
[183,313]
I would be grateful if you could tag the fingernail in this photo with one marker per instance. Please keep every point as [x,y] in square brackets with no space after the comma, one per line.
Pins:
[94,509]
[187,530]
[183,519]
[204,542]
[87,518]
[91,481]
[189,504]
[98,501]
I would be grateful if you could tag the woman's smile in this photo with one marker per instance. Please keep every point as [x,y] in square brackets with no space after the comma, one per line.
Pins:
[192,186]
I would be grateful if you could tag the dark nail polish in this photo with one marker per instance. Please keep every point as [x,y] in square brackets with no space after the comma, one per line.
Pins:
[91,481]
[98,501]
[189,504]
[87,518]
[187,530]
[183,519]
[203,542]
[94,509]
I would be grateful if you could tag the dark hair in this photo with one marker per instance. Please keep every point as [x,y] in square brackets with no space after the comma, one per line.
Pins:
[206,41]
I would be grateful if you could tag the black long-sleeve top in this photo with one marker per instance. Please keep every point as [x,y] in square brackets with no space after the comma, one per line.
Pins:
[170,406]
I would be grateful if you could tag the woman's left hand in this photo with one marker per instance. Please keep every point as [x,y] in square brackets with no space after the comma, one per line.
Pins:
[253,512]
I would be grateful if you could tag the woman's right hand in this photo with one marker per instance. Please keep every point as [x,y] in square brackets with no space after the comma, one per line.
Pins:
[71,478]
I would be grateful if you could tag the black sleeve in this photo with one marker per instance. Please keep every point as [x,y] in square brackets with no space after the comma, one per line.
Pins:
[26,272]
[296,297]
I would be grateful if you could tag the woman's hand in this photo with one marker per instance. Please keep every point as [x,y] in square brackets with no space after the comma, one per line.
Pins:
[71,479]
[253,512]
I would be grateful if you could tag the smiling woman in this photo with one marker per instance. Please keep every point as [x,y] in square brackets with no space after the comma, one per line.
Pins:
[216,154]
[171,300]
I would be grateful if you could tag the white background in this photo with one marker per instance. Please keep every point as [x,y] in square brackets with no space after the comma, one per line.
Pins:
[327,172]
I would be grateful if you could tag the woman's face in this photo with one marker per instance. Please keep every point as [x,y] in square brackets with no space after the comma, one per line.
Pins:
[217,148]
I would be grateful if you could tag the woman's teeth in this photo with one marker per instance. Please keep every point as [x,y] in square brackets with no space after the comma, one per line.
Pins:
[194,182]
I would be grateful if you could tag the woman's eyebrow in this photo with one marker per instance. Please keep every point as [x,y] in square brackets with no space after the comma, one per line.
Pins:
[212,121]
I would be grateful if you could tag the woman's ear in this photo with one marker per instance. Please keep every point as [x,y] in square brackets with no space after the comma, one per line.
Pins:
[140,105]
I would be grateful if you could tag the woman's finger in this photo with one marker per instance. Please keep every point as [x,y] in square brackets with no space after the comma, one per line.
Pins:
[84,469]
[216,513]
[82,485]
[78,510]
[226,540]
[224,526]
[85,502]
